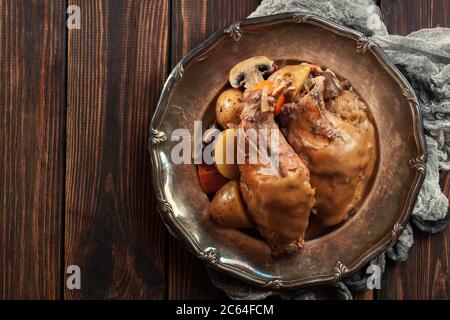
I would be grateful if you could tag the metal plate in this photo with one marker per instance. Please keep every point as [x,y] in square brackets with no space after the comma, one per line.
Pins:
[381,217]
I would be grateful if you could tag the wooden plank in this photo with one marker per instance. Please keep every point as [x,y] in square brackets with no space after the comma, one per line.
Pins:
[364,295]
[32,101]
[117,64]
[404,16]
[425,275]
[192,22]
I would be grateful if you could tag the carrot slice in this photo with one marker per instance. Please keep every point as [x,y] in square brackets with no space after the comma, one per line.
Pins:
[279,104]
[210,179]
[271,86]
[265,83]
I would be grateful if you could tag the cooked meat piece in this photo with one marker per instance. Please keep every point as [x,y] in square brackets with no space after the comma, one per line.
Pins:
[332,86]
[340,152]
[348,106]
[278,194]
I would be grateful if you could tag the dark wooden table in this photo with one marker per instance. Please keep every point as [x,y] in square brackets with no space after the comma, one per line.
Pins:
[75,182]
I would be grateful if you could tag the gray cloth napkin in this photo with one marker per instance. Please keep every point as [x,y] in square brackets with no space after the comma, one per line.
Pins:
[424,58]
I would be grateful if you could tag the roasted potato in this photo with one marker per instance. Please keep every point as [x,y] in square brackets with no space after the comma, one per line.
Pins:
[295,76]
[225,154]
[227,209]
[229,107]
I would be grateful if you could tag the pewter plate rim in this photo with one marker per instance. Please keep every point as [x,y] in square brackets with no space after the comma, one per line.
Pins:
[211,255]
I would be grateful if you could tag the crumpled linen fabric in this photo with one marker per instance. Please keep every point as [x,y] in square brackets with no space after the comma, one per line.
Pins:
[424,59]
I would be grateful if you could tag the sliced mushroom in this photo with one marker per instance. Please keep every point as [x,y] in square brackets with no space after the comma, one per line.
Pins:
[249,72]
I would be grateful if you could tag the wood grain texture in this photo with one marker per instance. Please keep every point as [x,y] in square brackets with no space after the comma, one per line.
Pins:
[192,22]
[364,295]
[117,64]
[426,274]
[405,16]
[32,101]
